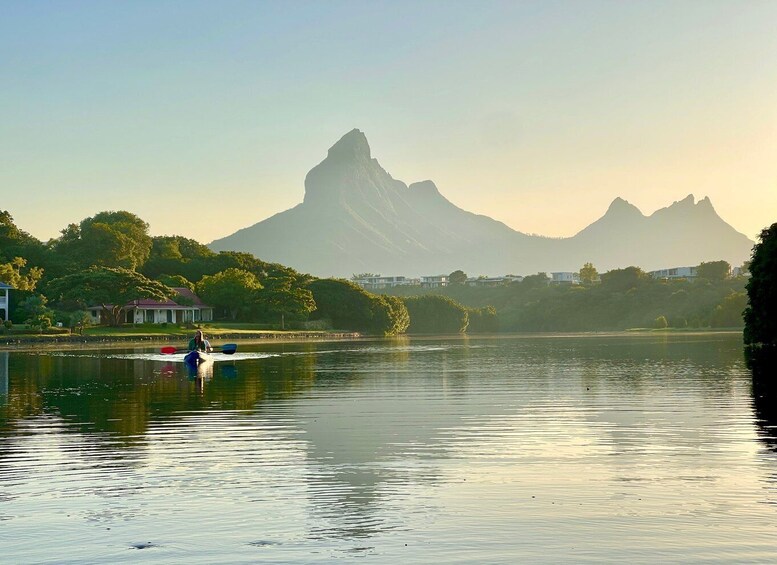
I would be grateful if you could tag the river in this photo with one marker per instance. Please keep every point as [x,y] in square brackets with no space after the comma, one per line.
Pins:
[615,448]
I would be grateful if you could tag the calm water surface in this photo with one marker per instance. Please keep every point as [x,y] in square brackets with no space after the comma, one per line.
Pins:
[495,450]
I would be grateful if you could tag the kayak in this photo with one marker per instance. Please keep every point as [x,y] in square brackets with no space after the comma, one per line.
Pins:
[195,358]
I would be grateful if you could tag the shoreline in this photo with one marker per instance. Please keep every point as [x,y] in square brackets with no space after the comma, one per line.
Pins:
[28,341]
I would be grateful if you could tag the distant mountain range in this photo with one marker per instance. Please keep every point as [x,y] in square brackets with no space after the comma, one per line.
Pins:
[356,218]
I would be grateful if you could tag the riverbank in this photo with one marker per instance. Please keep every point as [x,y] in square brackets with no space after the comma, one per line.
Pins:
[128,336]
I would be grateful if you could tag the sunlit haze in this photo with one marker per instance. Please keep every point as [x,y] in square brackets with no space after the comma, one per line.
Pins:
[204,117]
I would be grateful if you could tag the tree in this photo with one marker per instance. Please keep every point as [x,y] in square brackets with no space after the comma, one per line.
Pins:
[108,239]
[78,320]
[176,255]
[482,320]
[15,242]
[714,270]
[351,307]
[11,274]
[283,298]
[232,290]
[761,312]
[175,281]
[110,288]
[390,315]
[436,314]
[621,280]
[457,277]
[728,314]
[540,280]
[588,274]
[37,315]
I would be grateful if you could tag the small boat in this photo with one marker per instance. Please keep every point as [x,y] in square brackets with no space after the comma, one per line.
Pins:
[196,358]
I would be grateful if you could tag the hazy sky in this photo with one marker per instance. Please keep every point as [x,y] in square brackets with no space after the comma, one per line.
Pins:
[204,117]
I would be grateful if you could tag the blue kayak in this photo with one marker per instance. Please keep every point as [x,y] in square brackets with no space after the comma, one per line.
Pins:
[195,358]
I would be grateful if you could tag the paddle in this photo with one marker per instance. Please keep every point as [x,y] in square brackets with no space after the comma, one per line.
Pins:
[226,349]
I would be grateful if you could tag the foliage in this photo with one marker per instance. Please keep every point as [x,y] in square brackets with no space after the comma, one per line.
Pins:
[280,296]
[176,281]
[11,274]
[436,314]
[761,312]
[18,243]
[107,239]
[714,270]
[457,277]
[482,320]
[588,274]
[390,316]
[621,280]
[110,288]
[661,322]
[37,315]
[728,314]
[79,320]
[350,307]
[231,290]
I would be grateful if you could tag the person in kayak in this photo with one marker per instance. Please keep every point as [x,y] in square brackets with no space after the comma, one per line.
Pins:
[199,343]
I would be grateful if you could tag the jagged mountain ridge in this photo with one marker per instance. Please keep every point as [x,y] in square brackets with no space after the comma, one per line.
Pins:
[355,217]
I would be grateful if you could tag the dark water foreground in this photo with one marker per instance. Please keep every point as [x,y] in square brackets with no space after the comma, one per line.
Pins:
[616,449]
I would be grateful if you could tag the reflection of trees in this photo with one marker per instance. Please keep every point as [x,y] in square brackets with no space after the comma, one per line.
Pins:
[762,363]
[115,400]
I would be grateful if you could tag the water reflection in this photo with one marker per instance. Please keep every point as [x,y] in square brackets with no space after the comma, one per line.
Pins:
[295,449]
[762,363]
[3,377]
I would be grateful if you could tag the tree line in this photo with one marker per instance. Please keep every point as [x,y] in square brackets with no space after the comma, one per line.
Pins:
[109,260]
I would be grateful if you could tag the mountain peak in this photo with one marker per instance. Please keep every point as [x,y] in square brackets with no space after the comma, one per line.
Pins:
[353,145]
[621,207]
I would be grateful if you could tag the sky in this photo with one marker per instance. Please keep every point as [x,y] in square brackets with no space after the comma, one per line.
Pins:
[204,117]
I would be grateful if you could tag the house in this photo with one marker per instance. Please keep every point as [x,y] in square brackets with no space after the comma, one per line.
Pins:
[377,282]
[147,311]
[5,303]
[674,273]
[434,281]
[566,277]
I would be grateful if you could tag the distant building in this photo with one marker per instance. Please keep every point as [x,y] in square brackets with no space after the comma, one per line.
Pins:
[147,311]
[377,282]
[5,303]
[566,277]
[493,281]
[674,273]
[434,281]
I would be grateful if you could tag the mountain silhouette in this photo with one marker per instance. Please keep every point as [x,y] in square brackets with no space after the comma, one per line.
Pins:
[356,217]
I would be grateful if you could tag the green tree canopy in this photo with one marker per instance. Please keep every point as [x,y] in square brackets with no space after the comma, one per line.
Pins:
[457,277]
[482,320]
[232,290]
[714,270]
[436,314]
[621,280]
[761,312]
[36,312]
[282,297]
[350,307]
[729,313]
[176,255]
[175,281]
[110,288]
[588,274]
[107,239]
[11,274]
[17,243]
